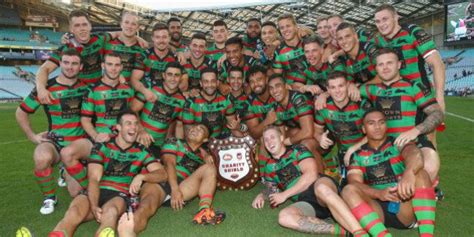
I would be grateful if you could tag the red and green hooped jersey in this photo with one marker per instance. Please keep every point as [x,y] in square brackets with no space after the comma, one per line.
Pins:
[345,123]
[92,55]
[285,172]
[128,54]
[179,46]
[194,72]
[157,116]
[298,106]
[226,66]
[250,43]
[364,35]
[402,102]
[215,53]
[120,165]
[239,103]
[292,61]
[153,65]
[187,160]
[103,103]
[315,76]
[64,112]
[412,45]
[210,113]
[360,70]
[381,167]
[257,108]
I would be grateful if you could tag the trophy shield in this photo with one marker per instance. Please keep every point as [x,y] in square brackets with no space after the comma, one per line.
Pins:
[235,162]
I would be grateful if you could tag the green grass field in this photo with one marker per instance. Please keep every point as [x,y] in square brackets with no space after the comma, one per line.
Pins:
[21,198]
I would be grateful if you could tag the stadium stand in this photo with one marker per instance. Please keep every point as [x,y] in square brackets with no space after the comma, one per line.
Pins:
[9,16]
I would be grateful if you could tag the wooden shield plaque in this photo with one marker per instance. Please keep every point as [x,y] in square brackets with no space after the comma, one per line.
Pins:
[235,163]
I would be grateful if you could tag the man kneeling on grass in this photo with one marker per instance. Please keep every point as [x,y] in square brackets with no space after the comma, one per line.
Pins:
[388,186]
[292,169]
[114,174]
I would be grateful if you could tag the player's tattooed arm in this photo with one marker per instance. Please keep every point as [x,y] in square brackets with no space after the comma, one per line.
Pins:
[435,117]
[308,224]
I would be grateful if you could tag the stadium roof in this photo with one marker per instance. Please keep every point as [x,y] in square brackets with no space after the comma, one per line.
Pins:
[201,18]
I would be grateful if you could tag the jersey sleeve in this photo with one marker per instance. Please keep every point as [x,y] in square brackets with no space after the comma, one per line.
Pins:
[318,117]
[302,152]
[88,104]
[31,103]
[354,163]
[170,147]
[423,96]
[424,43]
[303,105]
[97,154]
[149,158]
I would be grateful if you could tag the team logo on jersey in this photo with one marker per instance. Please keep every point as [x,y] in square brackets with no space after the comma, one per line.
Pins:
[390,106]
[190,164]
[287,174]
[114,106]
[118,168]
[342,128]
[386,103]
[70,107]
[381,173]
[161,112]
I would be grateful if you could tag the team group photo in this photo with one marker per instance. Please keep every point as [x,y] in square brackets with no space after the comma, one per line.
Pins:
[265,118]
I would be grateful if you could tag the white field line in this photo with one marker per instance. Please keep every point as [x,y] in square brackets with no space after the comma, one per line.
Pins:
[461,117]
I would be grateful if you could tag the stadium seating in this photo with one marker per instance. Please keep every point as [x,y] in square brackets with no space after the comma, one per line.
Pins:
[9,16]
[16,86]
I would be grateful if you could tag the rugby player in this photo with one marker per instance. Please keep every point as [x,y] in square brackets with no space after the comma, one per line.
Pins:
[388,186]
[64,117]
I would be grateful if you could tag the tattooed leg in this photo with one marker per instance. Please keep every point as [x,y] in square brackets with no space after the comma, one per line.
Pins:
[312,225]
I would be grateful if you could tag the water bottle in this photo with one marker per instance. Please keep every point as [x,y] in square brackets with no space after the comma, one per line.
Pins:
[394,207]
[73,40]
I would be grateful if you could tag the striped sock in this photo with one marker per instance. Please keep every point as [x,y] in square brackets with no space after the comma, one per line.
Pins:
[45,181]
[424,206]
[205,201]
[79,173]
[339,230]
[57,233]
[370,220]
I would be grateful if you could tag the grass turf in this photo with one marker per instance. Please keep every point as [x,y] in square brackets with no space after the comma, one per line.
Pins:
[21,198]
